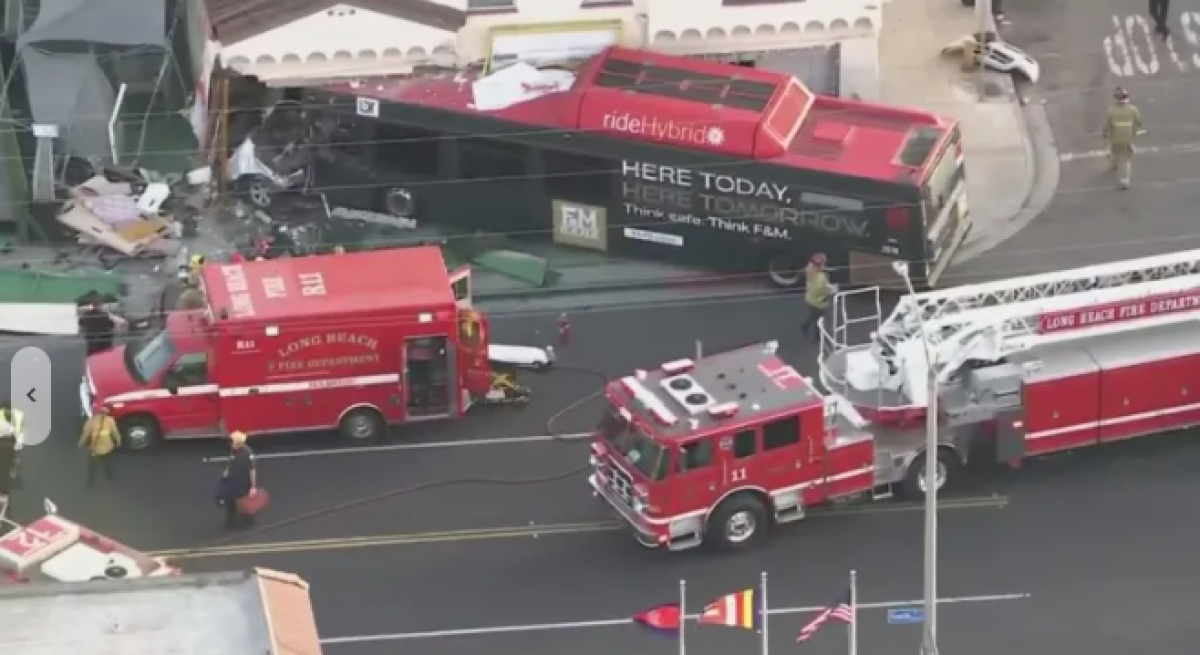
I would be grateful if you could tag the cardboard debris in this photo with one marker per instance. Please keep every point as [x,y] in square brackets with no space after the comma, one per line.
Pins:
[108,214]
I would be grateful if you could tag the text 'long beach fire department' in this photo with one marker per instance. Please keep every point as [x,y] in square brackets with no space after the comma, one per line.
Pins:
[721,448]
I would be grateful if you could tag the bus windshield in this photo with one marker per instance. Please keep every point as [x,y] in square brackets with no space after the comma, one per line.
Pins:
[147,359]
[945,199]
[643,453]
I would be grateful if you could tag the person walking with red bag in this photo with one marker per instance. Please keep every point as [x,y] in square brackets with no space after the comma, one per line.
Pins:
[239,482]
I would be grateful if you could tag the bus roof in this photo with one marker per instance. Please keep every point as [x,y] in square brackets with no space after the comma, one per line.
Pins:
[329,285]
[258,612]
[683,102]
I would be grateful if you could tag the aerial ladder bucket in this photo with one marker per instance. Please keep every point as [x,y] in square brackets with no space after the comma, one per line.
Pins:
[886,375]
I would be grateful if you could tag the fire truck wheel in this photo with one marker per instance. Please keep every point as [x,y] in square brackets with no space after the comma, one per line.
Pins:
[362,425]
[140,432]
[913,486]
[738,522]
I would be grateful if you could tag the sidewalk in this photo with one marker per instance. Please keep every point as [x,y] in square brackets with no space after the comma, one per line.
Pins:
[1012,167]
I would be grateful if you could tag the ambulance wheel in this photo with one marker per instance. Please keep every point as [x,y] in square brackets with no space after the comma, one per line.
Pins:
[785,271]
[738,522]
[948,467]
[140,432]
[362,425]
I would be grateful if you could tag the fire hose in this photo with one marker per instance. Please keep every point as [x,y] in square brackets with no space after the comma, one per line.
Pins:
[433,484]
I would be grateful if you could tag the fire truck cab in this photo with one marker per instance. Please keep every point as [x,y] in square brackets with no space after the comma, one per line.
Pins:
[349,342]
[721,448]
[53,549]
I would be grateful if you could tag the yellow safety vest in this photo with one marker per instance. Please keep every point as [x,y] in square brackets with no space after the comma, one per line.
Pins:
[11,421]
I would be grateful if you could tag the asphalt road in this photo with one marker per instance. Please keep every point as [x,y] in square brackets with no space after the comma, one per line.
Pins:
[164,500]
[1086,49]
[1091,536]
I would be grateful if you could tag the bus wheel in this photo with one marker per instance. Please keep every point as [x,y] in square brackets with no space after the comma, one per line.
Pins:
[140,432]
[784,271]
[362,425]
[738,522]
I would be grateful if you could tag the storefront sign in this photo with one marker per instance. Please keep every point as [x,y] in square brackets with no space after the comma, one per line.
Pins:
[580,225]
[730,203]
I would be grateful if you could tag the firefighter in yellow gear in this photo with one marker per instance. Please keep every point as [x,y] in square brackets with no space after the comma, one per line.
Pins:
[12,435]
[101,438]
[1124,124]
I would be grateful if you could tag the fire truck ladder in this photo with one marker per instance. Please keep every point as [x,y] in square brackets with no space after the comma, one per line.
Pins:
[988,321]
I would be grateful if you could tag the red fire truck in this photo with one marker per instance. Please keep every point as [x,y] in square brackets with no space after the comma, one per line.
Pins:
[353,342]
[53,549]
[721,448]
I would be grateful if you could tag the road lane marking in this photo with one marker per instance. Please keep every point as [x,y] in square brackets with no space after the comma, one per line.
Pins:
[525,531]
[426,445]
[611,623]
[1171,149]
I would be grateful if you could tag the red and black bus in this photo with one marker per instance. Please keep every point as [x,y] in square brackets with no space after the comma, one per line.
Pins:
[645,155]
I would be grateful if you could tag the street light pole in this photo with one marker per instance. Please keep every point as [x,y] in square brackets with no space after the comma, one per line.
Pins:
[929,635]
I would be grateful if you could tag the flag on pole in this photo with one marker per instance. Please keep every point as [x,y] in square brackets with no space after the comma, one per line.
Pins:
[736,610]
[842,610]
[664,619]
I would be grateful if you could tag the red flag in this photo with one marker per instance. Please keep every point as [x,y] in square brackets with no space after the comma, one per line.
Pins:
[736,610]
[662,619]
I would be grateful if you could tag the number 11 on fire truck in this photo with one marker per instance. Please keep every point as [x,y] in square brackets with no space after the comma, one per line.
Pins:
[1025,367]
[720,448]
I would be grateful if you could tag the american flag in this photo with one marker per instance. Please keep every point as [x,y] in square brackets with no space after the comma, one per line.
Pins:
[841,609]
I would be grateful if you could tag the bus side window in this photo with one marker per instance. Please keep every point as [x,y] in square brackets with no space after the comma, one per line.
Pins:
[745,444]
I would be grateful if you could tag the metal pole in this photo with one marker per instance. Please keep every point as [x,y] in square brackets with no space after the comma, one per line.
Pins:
[929,643]
[982,9]
[853,625]
[764,616]
[683,617]
[699,350]
[929,635]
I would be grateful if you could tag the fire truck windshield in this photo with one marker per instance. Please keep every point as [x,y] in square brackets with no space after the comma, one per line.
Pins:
[642,452]
[149,357]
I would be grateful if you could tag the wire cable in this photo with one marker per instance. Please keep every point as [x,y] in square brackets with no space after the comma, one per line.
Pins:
[372,499]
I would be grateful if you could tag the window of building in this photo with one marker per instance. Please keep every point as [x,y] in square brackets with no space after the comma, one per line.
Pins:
[745,444]
[695,455]
[410,150]
[782,433]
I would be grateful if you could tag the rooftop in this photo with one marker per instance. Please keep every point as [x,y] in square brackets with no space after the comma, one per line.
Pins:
[256,612]
[326,285]
[684,397]
[234,21]
[683,102]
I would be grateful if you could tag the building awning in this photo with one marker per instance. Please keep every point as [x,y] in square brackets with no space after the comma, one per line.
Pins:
[307,39]
[758,27]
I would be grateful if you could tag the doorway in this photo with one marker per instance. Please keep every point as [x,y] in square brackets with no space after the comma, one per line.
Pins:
[427,377]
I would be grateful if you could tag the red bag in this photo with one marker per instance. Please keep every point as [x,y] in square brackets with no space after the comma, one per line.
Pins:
[254,502]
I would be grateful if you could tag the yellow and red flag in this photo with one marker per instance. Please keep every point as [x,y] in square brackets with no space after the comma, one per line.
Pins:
[736,610]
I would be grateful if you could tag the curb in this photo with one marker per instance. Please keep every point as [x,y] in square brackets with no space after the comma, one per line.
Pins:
[1042,179]
[698,282]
